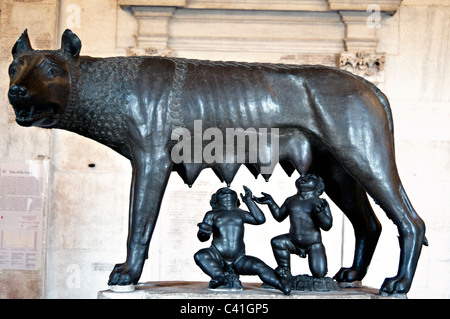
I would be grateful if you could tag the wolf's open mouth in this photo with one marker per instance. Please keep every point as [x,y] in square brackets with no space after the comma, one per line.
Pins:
[26,116]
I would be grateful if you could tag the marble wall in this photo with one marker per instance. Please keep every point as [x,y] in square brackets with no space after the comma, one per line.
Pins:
[87,209]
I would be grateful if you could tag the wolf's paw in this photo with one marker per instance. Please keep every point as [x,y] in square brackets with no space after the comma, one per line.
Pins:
[396,285]
[123,275]
[348,275]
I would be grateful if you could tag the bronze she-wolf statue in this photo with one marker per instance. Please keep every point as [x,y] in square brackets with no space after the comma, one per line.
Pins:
[329,123]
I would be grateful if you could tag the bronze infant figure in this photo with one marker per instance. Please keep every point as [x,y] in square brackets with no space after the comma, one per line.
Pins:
[308,214]
[225,259]
[330,123]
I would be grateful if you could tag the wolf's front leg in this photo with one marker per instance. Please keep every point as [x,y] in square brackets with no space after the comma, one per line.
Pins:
[149,180]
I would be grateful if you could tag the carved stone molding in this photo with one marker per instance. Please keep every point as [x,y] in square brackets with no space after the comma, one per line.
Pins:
[390,6]
[277,5]
[387,6]
[367,65]
[303,32]
[153,27]
[360,31]
[148,51]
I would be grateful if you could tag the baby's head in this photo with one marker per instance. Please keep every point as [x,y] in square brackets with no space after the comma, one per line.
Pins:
[224,196]
[310,183]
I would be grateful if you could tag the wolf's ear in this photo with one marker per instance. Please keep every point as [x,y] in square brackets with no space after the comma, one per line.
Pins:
[22,45]
[70,44]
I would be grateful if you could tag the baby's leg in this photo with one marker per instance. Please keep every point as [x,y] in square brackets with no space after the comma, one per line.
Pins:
[248,265]
[317,260]
[282,248]
[211,263]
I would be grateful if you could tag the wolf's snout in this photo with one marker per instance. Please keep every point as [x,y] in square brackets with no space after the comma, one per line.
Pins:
[18,91]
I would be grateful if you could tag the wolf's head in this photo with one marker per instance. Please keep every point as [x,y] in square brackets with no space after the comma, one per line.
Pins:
[40,80]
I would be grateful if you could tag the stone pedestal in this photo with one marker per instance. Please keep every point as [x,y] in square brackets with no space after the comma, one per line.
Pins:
[199,290]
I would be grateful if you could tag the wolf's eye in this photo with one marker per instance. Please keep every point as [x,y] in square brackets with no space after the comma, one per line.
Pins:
[51,73]
[12,72]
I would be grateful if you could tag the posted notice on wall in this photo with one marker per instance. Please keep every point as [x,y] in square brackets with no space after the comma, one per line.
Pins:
[22,197]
